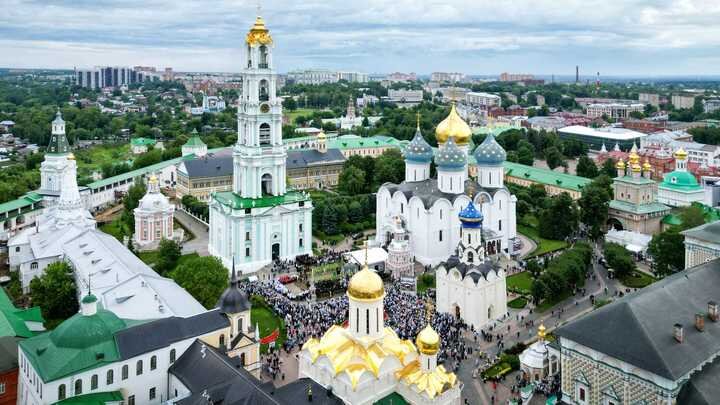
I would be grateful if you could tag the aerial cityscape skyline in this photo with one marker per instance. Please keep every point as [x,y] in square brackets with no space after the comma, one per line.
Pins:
[648,38]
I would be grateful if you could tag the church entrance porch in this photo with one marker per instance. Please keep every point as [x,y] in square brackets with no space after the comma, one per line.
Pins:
[614,223]
[275,251]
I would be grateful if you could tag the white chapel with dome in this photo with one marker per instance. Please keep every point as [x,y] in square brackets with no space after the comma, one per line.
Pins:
[428,207]
[259,220]
[366,361]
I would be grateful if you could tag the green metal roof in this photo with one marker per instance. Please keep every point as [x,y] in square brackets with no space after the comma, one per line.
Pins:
[391,399]
[638,208]
[142,141]
[58,145]
[357,142]
[194,141]
[96,398]
[680,181]
[12,319]
[711,215]
[672,219]
[234,201]
[545,176]
[79,343]
[495,130]
[23,202]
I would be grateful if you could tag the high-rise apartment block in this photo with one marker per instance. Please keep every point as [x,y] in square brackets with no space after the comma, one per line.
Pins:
[112,76]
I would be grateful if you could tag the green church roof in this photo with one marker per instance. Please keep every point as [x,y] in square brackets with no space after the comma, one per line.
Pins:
[545,176]
[234,201]
[194,141]
[79,343]
[12,319]
[96,398]
[681,181]
[142,141]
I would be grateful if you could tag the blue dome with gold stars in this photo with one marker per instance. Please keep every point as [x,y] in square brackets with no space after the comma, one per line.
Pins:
[470,216]
[418,150]
[490,153]
[450,156]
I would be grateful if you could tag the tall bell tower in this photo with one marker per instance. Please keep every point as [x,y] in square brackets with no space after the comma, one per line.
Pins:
[259,155]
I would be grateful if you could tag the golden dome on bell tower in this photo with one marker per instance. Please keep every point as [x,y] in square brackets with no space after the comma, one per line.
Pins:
[366,285]
[453,126]
[258,34]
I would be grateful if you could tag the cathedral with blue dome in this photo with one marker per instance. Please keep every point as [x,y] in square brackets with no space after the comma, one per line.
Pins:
[429,207]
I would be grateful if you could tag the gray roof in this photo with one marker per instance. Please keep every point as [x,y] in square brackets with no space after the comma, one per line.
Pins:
[214,165]
[207,372]
[469,270]
[708,232]
[638,329]
[703,387]
[8,353]
[302,158]
[427,190]
[153,335]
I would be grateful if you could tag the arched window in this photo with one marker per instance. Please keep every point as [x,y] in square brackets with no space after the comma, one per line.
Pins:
[93,382]
[172,356]
[153,362]
[468,239]
[264,90]
[78,387]
[138,367]
[264,134]
[470,256]
[110,377]
[242,358]
[222,340]
[61,392]
[240,325]
[125,372]
[367,321]
[263,57]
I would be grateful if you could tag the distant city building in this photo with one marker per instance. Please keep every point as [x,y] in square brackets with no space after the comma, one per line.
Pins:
[594,138]
[321,76]
[405,96]
[401,77]
[702,244]
[441,77]
[100,77]
[585,101]
[516,77]
[168,74]
[613,110]
[682,101]
[211,104]
[366,100]
[711,105]
[482,99]
[649,98]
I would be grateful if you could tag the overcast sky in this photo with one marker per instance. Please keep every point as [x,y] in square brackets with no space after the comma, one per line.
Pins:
[615,37]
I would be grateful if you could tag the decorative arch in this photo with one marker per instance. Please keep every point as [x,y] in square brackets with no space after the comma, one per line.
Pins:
[266,183]
[263,90]
[614,223]
[264,132]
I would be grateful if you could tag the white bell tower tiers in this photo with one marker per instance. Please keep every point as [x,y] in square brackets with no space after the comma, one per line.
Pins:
[259,155]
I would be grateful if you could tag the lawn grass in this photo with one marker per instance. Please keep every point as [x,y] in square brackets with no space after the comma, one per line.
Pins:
[116,228]
[549,303]
[543,245]
[520,282]
[517,303]
[92,159]
[637,279]
[267,322]
[425,281]
[328,271]
[307,112]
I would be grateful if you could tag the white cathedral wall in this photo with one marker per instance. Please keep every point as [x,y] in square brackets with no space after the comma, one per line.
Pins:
[472,299]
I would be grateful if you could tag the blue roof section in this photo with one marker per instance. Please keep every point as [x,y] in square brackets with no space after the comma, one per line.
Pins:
[489,152]
[470,216]
[418,150]
[450,156]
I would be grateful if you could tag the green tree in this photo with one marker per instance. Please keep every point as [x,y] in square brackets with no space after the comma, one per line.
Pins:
[561,206]
[594,203]
[619,259]
[355,212]
[692,216]
[352,181]
[586,168]
[289,104]
[534,268]
[169,253]
[330,220]
[55,292]
[668,251]
[553,157]
[389,167]
[131,201]
[608,168]
[525,154]
[205,278]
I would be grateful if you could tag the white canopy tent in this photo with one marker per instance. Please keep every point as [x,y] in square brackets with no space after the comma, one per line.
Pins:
[376,257]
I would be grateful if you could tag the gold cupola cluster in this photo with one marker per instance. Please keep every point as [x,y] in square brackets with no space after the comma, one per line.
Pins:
[366,285]
[258,34]
[453,126]
[680,154]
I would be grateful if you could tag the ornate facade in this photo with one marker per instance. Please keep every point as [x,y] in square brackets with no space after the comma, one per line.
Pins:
[429,207]
[55,165]
[702,244]
[400,262]
[260,220]
[153,216]
[469,284]
[366,361]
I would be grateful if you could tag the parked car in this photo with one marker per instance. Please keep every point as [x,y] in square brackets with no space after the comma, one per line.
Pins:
[287,278]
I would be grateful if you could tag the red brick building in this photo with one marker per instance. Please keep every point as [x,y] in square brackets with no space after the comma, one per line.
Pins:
[8,370]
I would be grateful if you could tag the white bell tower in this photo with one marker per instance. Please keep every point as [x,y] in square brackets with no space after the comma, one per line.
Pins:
[259,156]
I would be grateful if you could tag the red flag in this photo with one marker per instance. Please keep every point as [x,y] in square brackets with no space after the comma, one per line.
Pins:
[271,337]
[346,323]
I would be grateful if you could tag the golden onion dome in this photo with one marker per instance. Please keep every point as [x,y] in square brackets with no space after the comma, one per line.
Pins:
[322,135]
[634,158]
[153,179]
[366,285]
[636,168]
[647,166]
[620,165]
[71,156]
[541,331]
[453,126]
[259,34]
[428,341]
[680,154]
